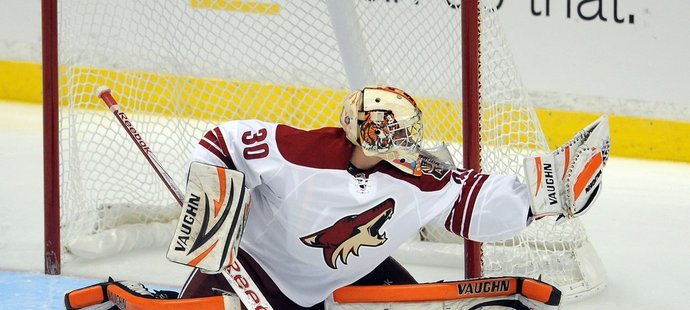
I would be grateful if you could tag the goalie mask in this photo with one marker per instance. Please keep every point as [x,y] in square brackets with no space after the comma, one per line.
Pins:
[386,123]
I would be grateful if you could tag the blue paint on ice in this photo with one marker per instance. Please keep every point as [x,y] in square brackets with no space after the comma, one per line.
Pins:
[24,290]
[27,290]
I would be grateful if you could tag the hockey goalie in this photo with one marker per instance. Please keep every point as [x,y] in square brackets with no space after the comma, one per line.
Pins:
[329,207]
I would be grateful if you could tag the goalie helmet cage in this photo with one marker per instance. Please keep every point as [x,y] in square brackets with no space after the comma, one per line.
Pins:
[180,67]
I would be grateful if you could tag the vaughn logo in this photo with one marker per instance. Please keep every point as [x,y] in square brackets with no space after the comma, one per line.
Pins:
[550,184]
[187,222]
[206,231]
[350,233]
[483,286]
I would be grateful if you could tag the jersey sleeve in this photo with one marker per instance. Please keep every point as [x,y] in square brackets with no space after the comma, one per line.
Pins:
[488,208]
[248,146]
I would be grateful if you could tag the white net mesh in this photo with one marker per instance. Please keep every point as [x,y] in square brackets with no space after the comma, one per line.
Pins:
[180,67]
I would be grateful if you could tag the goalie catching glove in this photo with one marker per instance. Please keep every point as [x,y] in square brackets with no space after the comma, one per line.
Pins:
[566,182]
[210,227]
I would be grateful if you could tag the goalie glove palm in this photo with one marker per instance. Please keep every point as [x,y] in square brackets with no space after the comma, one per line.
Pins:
[566,182]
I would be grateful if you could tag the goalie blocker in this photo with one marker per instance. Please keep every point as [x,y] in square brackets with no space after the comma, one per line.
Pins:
[214,212]
[566,182]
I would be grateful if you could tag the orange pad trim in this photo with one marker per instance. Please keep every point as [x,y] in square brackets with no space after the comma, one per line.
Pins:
[477,288]
[84,297]
[126,300]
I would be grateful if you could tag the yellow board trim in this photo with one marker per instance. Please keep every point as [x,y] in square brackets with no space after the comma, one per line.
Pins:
[631,136]
[21,81]
[250,7]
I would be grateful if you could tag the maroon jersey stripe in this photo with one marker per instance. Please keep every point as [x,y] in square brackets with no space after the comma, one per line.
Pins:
[476,187]
[460,216]
[454,219]
[221,142]
[217,147]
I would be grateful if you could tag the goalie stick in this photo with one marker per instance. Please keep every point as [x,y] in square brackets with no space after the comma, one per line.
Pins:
[107,97]
[236,274]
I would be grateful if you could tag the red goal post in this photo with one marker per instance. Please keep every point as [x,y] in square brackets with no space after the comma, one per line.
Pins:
[470,115]
[283,61]
[51,157]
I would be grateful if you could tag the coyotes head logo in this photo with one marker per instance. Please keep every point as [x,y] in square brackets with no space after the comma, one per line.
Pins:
[350,233]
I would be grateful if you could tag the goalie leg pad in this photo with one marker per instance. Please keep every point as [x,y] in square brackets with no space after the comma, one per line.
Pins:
[567,181]
[508,292]
[87,296]
[212,220]
[135,296]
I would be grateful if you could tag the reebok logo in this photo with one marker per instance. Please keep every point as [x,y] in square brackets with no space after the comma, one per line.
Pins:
[247,286]
[132,131]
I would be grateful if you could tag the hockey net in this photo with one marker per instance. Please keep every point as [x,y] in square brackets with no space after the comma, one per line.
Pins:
[180,67]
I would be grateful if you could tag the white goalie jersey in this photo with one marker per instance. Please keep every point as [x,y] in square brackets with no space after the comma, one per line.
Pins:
[316,223]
